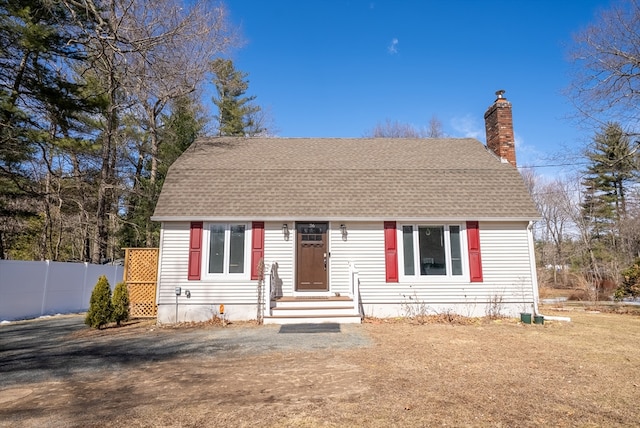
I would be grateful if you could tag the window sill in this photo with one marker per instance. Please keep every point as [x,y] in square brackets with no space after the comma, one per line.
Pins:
[227,279]
[435,279]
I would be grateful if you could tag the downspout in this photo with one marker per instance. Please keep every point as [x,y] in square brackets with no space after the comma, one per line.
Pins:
[534,278]
[532,266]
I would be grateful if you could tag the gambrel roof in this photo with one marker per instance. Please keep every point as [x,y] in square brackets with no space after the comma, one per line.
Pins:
[342,178]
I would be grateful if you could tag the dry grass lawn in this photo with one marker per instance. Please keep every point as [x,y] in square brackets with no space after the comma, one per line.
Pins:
[487,373]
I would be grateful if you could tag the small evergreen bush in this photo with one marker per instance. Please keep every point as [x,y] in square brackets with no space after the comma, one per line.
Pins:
[630,286]
[100,307]
[120,303]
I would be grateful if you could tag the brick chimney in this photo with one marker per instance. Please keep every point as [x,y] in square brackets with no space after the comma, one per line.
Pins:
[499,126]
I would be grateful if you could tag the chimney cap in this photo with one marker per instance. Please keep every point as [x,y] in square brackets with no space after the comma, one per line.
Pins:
[500,93]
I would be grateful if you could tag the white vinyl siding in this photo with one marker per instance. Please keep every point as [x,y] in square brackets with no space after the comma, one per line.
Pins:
[364,247]
[278,250]
[506,265]
[174,259]
[506,262]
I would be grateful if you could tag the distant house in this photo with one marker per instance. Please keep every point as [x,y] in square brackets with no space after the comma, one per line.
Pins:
[347,227]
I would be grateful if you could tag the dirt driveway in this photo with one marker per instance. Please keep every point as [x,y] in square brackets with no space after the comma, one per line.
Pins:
[62,347]
[56,372]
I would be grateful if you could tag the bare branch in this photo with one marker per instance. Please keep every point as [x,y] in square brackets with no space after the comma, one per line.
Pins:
[606,59]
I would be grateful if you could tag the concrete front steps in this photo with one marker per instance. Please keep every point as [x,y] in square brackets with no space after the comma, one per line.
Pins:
[312,310]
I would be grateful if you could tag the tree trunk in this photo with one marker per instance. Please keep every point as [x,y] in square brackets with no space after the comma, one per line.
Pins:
[18,81]
[101,234]
[46,230]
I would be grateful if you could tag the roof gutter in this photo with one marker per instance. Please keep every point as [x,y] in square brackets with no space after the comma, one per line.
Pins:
[162,218]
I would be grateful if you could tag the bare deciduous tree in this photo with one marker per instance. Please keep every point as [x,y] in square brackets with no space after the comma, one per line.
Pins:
[554,202]
[173,66]
[606,54]
[182,43]
[395,129]
[143,54]
[435,128]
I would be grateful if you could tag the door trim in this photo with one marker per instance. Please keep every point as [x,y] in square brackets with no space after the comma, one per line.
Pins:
[297,237]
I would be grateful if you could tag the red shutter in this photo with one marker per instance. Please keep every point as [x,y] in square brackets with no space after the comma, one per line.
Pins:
[195,251]
[257,247]
[475,259]
[391,251]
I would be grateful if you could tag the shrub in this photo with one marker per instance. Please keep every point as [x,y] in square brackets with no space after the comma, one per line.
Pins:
[415,309]
[579,295]
[120,303]
[630,286]
[494,307]
[100,307]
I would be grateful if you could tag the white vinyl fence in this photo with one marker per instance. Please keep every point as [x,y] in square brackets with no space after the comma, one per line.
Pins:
[33,289]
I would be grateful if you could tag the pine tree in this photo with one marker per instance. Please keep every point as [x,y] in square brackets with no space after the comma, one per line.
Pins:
[630,286]
[237,116]
[612,167]
[39,44]
[120,303]
[181,127]
[100,307]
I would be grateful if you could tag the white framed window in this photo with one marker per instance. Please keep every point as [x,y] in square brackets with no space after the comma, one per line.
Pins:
[432,252]
[227,250]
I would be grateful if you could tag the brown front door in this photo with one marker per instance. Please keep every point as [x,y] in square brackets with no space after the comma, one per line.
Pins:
[311,257]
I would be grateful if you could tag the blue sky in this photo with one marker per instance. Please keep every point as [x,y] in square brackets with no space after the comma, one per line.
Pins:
[335,68]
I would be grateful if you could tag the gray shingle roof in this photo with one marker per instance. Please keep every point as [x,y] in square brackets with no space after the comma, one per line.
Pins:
[333,178]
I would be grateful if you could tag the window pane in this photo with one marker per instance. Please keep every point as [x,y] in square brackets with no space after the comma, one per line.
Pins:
[236,249]
[432,254]
[216,249]
[407,245]
[456,252]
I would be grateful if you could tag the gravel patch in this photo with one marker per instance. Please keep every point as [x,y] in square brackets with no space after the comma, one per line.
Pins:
[60,347]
